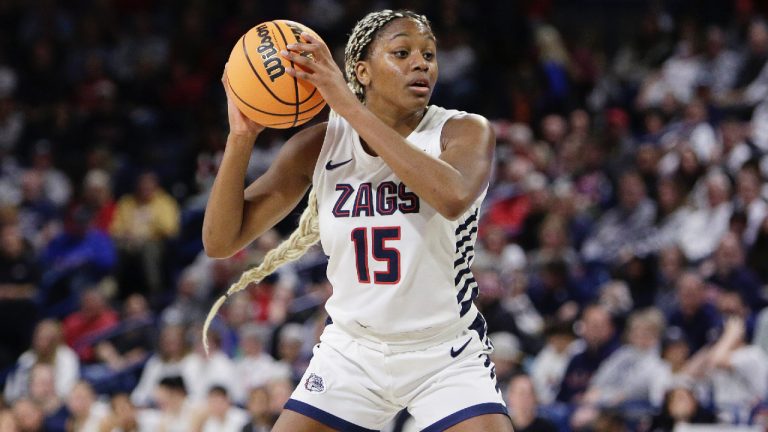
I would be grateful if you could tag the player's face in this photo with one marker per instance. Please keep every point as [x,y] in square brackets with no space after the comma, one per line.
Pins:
[402,64]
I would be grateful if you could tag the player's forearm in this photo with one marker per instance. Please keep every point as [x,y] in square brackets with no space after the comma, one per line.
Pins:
[223,219]
[433,180]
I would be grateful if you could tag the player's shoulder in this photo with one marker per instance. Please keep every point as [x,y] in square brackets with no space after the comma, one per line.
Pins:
[464,119]
[465,125]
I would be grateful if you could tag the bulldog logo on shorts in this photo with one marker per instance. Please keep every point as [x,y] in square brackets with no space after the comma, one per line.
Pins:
[314,384]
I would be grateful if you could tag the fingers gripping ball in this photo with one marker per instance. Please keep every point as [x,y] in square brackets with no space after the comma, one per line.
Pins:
[262,89]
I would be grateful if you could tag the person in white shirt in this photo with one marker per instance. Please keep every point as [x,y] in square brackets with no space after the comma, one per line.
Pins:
[219,415]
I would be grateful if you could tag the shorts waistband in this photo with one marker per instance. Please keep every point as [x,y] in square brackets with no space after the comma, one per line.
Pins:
[402,343]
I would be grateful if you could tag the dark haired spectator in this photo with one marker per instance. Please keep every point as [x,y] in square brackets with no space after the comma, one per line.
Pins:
[19,275]
[680,406]
[749,201]
[619,230]
[170,359]
[92,318]
[599,335]
[258,409]
[38,216]
[731,273]
[521,397]
[693,314]
[219,414]
[76,259]
[548,367]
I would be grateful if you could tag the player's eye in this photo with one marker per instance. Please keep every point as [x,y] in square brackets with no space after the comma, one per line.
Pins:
[429,56]
[401,53]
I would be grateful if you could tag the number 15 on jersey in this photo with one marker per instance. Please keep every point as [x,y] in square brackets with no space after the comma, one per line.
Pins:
[380,251]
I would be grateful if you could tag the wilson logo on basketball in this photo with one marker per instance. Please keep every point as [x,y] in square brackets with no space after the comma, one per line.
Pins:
[272,63]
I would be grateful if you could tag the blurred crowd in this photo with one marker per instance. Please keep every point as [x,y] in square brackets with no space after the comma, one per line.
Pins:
[622,257]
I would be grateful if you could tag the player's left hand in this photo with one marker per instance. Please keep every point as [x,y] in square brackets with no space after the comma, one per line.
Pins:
[316,65]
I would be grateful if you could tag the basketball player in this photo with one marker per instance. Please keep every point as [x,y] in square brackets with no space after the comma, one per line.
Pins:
[397,185]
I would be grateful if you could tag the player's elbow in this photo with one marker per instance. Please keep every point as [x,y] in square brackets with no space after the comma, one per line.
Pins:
[455,206]
[215,248]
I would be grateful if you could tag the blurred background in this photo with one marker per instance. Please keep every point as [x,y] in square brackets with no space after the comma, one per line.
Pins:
[623,247]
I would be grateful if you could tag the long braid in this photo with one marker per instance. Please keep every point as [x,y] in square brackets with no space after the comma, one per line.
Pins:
[360,39]
[307,234]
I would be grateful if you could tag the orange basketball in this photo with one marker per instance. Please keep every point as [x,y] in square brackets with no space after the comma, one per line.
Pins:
[262,88]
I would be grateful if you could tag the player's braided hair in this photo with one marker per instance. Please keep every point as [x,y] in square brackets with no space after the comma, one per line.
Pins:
[307,234]
[363,34]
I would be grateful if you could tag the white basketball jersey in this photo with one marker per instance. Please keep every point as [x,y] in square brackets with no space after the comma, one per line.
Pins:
[399,270]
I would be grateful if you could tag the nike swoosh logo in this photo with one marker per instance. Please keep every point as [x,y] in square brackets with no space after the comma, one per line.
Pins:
[455,352]
[332,166]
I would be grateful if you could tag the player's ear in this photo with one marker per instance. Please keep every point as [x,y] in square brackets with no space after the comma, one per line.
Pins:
[361,70]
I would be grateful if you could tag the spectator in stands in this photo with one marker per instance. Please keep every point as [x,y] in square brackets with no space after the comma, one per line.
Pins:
[29,416]
[499,314]
[549,365]
[738,372]
[671,265]
[207,371]
[731,273]
[750,202]
[171,359]
[133,340]
[77,258]
[38,216]
[506,356]
[254,367]
[8,421]
[143,221]
[521,398]
[757,255]
[708,223]
[675,355]
[291,360]
[47,347]
[94,317]
[598,333]
[86,413]
[619,230]
[680,406]
[97,198]
[57,187]
[124,416]
[697,318]
[219,415]
[42,391]
[188,306]
[19,274]
[176,411]
[258,409]
[627,374]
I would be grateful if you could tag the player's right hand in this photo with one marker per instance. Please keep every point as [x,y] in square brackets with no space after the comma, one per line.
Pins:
[239,124]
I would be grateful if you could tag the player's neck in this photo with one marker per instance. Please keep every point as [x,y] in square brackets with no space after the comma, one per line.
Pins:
[404,122]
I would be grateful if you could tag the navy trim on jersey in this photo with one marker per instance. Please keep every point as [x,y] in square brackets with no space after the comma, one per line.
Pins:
[324,417]
[466,233]
[466,414]
[466,223]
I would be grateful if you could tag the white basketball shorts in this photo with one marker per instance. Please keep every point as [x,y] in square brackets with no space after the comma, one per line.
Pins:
[352,384]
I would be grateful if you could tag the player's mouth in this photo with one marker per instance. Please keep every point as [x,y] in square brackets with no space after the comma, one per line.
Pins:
[420,86]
